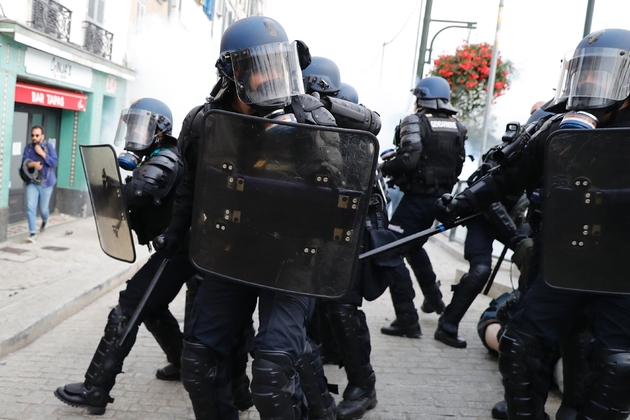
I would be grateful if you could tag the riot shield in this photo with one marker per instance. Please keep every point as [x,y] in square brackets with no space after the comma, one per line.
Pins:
[281,205]
[108,205]
[586,207]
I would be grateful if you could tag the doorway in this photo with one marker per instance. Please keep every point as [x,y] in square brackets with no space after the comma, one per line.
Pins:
[25,117]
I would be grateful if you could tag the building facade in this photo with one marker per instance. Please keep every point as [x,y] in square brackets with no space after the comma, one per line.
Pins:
[65,66]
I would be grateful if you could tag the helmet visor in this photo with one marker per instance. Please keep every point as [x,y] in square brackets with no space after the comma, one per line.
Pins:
[267,75]
[594,78]
[136,129]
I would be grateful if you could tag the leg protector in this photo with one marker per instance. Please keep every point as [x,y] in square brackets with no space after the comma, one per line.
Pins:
[525,367]
[464,295]
[208,389]
[321,405]
[352,334]
[274,384]
[165,329]
[607,396]
[106,364]
[574,371]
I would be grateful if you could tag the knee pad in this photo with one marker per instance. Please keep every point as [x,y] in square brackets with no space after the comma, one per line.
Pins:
[607,395]
[274,385]
[199,369]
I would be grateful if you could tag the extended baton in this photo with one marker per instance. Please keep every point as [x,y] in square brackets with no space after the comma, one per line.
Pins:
[143,302]
[412,238]
[495,271]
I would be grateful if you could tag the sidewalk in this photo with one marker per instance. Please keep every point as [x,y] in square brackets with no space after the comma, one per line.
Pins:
[43,283]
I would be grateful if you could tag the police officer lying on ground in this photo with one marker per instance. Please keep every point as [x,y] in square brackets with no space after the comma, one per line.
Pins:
[429,158]
[258,76]
[597,92]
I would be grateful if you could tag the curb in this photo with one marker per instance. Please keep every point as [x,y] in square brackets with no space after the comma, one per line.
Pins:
[36,314]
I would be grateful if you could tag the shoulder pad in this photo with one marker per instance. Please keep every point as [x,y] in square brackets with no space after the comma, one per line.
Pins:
[157,175]
[410,130]
[312,111]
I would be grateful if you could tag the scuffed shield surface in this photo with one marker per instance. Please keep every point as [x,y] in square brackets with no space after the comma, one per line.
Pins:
[108,205]
[586,208]
[281,205]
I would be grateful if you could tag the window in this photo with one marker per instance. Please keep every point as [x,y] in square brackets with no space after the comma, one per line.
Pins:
[96,11]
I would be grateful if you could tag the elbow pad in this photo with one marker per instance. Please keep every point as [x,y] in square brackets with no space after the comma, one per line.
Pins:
[351,115]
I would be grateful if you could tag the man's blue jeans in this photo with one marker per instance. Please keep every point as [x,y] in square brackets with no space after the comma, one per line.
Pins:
[37,195]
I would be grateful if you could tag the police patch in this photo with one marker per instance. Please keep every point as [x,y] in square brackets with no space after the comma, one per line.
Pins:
[443,124]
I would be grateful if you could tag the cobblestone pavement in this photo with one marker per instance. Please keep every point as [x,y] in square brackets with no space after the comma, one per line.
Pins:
[416,378]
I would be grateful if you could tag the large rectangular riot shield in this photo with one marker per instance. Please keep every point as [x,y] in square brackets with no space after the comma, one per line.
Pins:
[108,205]
[586,207]
[281,205]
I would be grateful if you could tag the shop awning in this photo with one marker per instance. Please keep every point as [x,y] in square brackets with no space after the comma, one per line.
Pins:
[45,96]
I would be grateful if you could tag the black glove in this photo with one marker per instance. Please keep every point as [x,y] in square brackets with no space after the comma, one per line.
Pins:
[449,208]
[168,243]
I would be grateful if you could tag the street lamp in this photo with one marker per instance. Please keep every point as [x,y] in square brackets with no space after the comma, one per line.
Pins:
[423,44]
[468,25]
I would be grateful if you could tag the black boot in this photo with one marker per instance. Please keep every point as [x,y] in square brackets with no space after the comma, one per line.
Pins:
[352,334]
[165,330]
[107,362]
[405,325]
[464,295]
[499,411]
[430,289]
[432,301]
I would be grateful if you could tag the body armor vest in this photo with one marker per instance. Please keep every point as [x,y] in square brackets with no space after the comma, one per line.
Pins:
[442,155]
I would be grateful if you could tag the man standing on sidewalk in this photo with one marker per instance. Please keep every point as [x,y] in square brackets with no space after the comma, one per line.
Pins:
[39,161]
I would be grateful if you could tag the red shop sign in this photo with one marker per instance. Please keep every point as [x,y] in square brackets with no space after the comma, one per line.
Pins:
[45,96]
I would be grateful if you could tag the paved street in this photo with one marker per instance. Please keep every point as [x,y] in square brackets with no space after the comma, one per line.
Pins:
[416,379]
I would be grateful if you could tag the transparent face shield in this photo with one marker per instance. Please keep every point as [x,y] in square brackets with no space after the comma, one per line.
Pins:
[136,129]
[594,78]
[267,75]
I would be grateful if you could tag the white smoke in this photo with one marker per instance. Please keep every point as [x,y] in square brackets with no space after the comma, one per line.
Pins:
[174,64]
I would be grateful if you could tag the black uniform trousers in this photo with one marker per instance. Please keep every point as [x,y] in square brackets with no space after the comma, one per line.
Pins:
[175,274]
[224,308]
[414,213]
[549,313]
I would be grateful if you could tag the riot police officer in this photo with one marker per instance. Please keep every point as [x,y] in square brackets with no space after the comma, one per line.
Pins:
[502,221]
[151,153]
[257,77]
[346,321]
[429,158]
[596,91]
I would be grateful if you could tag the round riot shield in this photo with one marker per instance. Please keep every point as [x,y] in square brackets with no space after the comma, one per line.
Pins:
[586,208]
[281,205]
[108,205]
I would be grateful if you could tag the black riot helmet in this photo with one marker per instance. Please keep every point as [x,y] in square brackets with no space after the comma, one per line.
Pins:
[265,68]
[140,128]
[348,93]
[434,93]
[596,76]
[322,76]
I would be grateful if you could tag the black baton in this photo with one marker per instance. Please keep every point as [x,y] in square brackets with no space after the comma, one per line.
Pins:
[412,238]
[495,271]
[143,302]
